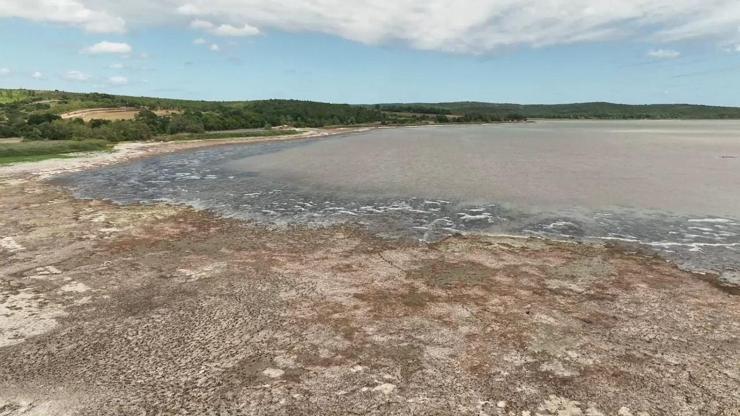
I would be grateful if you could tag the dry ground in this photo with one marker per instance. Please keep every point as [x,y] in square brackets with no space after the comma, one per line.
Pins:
[112,114]
[158,310]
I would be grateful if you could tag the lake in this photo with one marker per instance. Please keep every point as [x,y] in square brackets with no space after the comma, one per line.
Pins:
[672,186]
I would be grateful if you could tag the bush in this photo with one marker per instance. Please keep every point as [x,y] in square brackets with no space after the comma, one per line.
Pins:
[114,131]
[39,118]
[185,123]
[123,131]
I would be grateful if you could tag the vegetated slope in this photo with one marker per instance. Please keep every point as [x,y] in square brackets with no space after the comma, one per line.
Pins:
[56,115]
[45,115]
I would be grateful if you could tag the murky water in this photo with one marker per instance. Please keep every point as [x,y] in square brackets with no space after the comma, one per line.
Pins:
[673,186]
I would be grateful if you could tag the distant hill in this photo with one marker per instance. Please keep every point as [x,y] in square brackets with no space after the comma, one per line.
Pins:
[595,110]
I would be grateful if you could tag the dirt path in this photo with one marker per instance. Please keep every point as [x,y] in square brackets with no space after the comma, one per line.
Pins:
[108,310]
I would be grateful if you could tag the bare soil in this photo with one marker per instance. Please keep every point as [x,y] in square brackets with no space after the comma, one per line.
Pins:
[112,114]
[162,310]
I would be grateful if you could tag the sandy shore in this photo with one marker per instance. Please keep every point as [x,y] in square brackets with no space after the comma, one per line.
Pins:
[133,150]
[109,310]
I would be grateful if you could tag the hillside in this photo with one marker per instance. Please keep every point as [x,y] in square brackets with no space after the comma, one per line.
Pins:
[58,115]
[596,110]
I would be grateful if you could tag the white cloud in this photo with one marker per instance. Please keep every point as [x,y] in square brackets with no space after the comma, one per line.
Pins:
[37,75]
[118,80]
[214,47]
[229,30]
[663,54]
[75,75]
[464,26]
[201,24]
[116,65]
[199,41]
[224,29]
[108,47]
[5,72]
[69,12]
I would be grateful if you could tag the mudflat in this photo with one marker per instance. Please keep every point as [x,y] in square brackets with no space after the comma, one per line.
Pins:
[162,309]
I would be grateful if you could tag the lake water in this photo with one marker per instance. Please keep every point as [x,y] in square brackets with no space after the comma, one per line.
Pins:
[673,186]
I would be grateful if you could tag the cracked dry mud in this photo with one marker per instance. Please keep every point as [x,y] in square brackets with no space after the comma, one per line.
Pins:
[160,310]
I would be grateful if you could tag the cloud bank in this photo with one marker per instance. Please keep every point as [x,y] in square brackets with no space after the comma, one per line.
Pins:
[70,12]
[464,26]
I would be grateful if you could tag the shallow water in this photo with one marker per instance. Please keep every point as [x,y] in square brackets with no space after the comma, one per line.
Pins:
[673,186]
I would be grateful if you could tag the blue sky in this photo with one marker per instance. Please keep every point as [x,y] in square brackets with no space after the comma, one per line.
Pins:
[218,51]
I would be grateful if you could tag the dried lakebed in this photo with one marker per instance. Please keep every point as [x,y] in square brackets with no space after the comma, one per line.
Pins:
[666,185]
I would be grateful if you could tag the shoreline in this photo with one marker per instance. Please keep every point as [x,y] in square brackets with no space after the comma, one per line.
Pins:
[123,310]
[128,151]
[131,151]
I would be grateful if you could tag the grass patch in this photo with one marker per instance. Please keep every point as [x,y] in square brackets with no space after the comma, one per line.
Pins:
[50,148]
[12,96]
[236,134]
[7,160]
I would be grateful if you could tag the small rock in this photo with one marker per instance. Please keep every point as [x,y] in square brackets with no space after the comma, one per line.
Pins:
[76,287]
[730,278]
[385,388]
[53,270]
[273,372]
[592,411]
[9,244]
[501,404]
[624,411]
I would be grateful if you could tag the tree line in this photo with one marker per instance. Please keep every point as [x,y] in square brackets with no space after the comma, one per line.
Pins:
[36,122]
[35,115]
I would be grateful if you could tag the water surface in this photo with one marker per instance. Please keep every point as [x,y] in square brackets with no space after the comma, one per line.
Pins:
[673,186]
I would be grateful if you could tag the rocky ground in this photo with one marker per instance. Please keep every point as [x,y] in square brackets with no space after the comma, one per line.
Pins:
[160,310]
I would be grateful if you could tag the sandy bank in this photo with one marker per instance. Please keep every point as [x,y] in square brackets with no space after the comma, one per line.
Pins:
[133,150]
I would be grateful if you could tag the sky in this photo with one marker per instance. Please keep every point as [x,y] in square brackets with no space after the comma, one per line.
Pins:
[372,51]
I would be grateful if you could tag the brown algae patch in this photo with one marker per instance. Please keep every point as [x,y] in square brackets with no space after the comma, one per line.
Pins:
[448,275]
[178,311]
